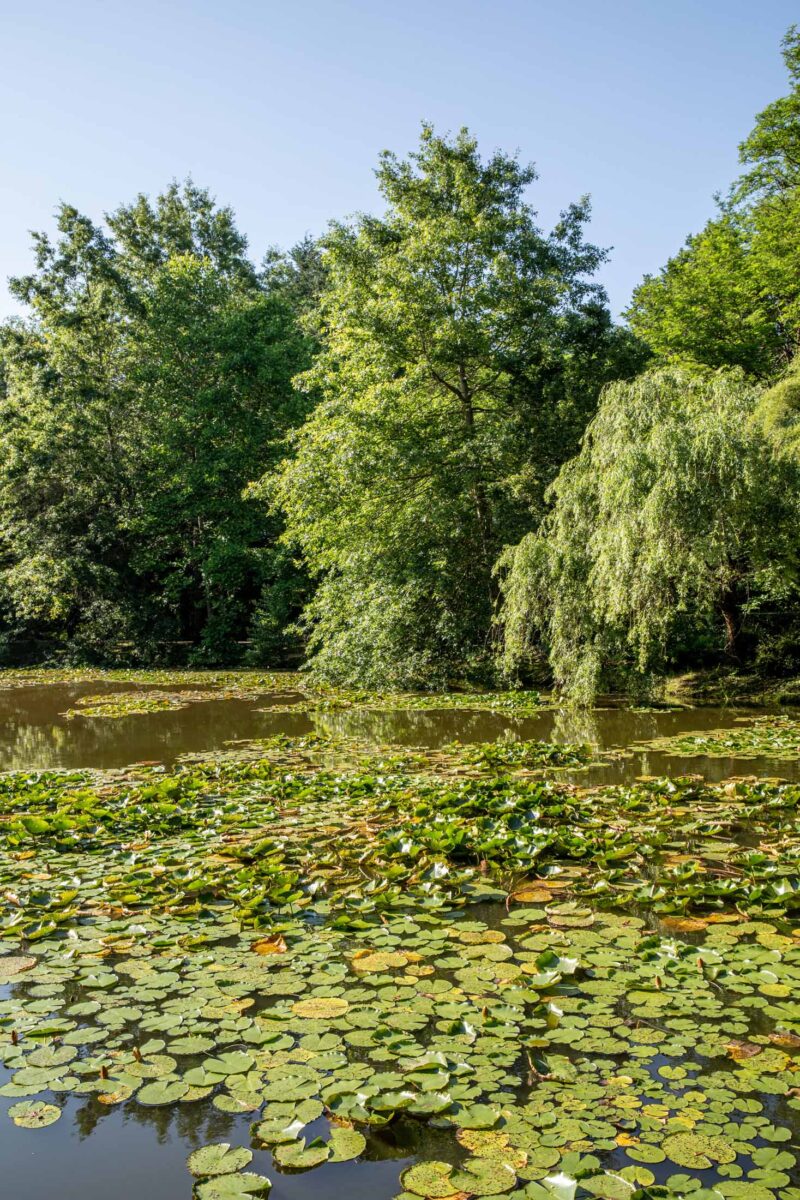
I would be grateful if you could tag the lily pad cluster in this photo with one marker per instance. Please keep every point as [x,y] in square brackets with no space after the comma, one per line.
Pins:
[549,991]
[266,828]
[127,704]
[775,737]
[509,754]
[518,703]
[238,680]
[560,1047]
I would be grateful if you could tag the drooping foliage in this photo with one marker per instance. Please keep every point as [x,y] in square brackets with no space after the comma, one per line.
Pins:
[674,509]
[778,413]
[731,296]
[151,380]
[461,352]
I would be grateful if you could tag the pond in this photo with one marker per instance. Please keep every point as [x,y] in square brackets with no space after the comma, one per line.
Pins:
[382,952]
[36,734]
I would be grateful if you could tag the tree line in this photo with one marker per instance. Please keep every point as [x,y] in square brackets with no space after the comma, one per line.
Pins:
[417,450]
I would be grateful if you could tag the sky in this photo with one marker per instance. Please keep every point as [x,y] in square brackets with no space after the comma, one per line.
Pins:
[281,107]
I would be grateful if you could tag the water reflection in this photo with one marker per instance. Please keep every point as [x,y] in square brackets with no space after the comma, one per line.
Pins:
[34,733]
[137,1152]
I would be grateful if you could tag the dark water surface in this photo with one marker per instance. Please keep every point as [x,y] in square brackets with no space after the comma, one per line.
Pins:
[35,734]
[137,1153]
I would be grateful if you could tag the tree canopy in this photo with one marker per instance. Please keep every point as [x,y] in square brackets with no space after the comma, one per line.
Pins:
[674,507]
[461,351]
[151,381]
[416,451]
[731,296]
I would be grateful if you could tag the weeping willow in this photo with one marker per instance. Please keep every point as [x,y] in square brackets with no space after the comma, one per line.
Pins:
[675,508]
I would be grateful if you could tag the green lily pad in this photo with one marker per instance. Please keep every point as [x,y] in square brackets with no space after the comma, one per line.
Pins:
[484,1177]
[218,1159]
[162,1092]
[697,1151]
[231,1187]
[300,1156]
[346,1144]
[429,1179]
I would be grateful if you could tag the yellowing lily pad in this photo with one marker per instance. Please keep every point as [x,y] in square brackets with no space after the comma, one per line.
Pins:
[34,1115]
[232,1187]
[429,1179]
[320,1007]
[15,964]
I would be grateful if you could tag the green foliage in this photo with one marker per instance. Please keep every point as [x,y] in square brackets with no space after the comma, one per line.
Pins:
[771,152]
[674,505]
[731,296]
[778,414]
[150,383]
[461,352]
[706,305]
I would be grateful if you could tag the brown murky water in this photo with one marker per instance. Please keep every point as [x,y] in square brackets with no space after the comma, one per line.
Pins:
[34,733]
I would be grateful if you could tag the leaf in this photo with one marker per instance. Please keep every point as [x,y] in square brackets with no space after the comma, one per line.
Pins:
[233,1062]
[321,1007]
[274,944]
[484,1177]
[34,1116]
[477,1116]
[231,1187]
[609,1186]
[300,1156]
[697,1151]
[684,924]
[429,1179]
[162,1092]
[15,964]
[218,1159]
[346,1144]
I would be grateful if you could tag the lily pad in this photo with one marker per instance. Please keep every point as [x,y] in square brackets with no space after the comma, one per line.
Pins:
[346,1144]
[218,1159]
[429,1179]
[34,1116]
[697,1151]
[231,1187]
[162,1092]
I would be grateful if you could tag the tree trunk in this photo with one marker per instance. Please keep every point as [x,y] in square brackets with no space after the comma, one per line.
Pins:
[731,614]
[482,507]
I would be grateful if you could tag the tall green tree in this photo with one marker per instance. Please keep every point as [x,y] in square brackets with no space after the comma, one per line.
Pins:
[674,511]
[213,364]
[731,296]
[461,352]
[150,382]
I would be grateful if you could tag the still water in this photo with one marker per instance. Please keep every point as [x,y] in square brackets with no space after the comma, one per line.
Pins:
[35,734]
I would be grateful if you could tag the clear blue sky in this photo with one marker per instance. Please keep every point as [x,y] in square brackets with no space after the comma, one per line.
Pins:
[281,106]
